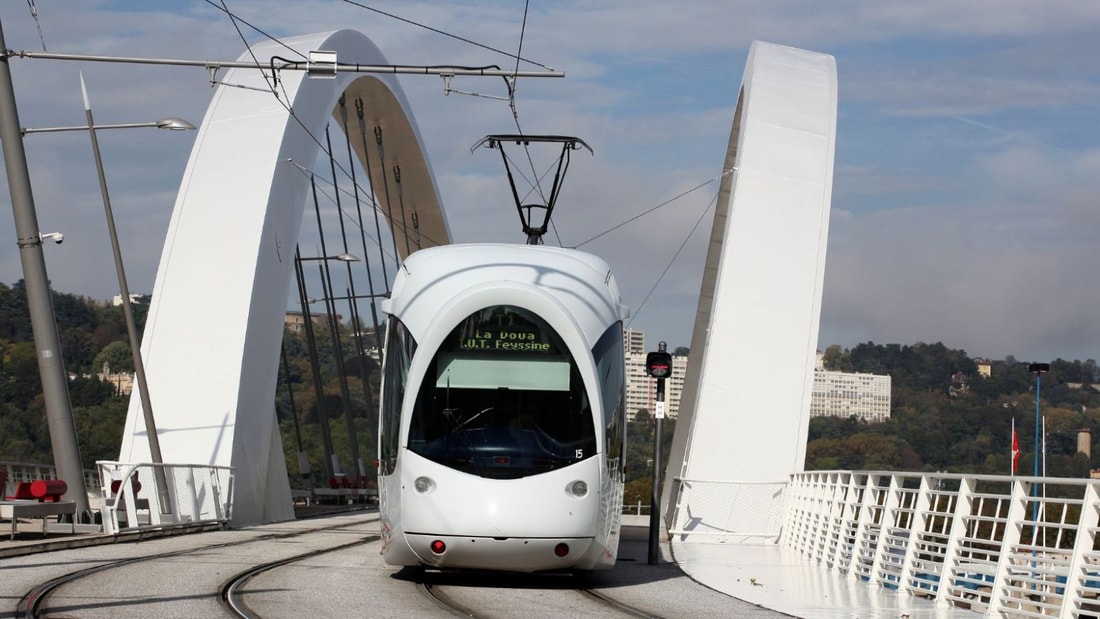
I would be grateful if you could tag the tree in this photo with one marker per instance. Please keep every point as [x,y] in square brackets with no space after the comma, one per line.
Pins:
[835,358]
[117,356]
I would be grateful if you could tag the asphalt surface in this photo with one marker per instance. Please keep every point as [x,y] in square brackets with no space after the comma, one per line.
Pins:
[349,582]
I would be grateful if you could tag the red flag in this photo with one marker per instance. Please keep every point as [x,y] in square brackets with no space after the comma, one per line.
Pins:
[1015,447]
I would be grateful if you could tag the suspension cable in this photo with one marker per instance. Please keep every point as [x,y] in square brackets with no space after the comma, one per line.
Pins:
[359,216]
[370,183]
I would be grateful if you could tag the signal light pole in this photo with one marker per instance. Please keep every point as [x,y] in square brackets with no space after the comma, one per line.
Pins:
[658,365]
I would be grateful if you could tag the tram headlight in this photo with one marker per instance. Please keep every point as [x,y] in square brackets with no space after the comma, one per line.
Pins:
[423,484]
[578,489]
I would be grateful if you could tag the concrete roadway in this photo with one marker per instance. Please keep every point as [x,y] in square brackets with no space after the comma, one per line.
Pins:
[347,583]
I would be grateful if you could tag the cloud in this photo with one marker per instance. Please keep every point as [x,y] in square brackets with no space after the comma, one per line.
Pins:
[964,201]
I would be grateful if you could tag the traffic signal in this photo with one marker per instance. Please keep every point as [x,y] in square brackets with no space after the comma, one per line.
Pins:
[658,364]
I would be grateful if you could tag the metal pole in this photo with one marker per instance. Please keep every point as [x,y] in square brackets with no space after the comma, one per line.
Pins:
[303,457]
[51,367]
[655,495]
[128,312]
[338,351]
[331,463]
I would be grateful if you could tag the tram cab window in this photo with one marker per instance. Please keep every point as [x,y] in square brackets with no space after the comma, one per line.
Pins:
[399,350]
[611,371]
[503,398]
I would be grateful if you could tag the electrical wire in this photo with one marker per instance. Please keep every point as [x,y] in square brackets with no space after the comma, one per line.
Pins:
[515,116]
[234,18]
[668,266]
[662,204]
[448,34]
[37,24]
[254,27]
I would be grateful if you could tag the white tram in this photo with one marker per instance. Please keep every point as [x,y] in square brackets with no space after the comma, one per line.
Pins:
[502,426]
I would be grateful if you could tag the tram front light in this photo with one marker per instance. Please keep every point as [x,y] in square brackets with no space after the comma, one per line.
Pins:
[561,549]
[578,489]
[438,547]
[423,484]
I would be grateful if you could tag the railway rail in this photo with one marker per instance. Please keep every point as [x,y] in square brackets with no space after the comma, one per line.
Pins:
[34,603]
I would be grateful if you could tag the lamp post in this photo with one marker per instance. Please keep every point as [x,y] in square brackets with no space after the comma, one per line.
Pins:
[170,124]
[1037,369]
[339,257]
[124,290]
[332,466]
[334,327]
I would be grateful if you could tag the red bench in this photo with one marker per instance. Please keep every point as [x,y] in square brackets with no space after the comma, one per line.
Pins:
[40,498]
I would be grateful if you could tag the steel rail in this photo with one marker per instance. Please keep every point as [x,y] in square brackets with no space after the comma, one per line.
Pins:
[231,589]
[30,606]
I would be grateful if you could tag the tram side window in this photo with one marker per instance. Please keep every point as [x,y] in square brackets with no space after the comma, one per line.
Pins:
[611,369]
[400,347]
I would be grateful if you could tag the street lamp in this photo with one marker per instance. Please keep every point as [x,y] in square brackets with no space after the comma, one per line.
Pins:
[171,124]
[127,310]
[339,257]
[1037,369]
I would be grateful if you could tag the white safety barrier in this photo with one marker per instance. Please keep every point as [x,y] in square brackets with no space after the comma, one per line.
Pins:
[728,511]
[1017,546]
[146,495]
[15,472]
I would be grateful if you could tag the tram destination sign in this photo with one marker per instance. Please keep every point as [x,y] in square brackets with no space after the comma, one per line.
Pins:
[506,339]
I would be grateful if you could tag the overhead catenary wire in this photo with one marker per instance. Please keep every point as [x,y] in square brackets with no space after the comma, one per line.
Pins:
[672,261]
[37,23]
[254,27]
[512,85]
[233,20]
[448,34]
[658,206]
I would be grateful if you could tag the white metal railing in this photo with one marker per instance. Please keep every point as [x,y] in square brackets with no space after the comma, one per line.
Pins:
[17,472]
[982,542]
[193,494]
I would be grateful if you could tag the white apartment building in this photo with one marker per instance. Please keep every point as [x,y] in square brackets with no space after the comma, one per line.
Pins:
[843,394]
[641,390]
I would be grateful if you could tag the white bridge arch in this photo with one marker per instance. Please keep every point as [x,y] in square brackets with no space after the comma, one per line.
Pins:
[211,342]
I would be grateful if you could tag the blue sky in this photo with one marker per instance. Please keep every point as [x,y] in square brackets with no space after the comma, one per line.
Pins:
[966,199]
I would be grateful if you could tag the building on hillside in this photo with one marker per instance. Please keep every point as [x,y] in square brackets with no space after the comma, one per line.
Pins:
[134,298]
[641,390]
[123,382]
[845,394]
[985,367]
[294,321]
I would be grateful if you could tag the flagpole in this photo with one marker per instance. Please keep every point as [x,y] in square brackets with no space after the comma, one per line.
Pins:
[1012,449]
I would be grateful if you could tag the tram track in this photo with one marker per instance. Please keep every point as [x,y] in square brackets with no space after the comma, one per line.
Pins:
[447,592]
[232,590]
[33,604]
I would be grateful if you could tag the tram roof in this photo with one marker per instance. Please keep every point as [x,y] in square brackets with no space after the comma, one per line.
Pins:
[582,282]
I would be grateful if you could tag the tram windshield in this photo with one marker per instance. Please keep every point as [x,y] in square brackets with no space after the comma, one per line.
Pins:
[503,399]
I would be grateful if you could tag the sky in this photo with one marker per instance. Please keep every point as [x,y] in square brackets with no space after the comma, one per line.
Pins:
[966,195]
